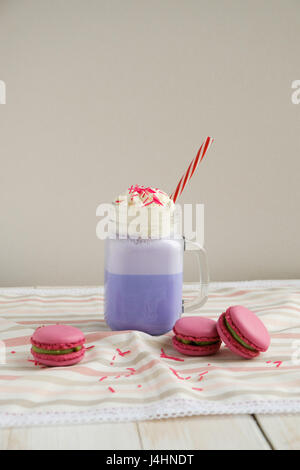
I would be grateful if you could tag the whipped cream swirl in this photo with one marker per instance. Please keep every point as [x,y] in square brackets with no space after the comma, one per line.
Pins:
[144,212]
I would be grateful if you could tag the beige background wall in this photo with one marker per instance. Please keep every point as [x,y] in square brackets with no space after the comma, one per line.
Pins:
[105,93]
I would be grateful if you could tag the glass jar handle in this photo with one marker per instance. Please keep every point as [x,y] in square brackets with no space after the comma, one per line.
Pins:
[199,251]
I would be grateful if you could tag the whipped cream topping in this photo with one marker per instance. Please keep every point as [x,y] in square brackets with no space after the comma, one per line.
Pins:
[142,196]
[144,212]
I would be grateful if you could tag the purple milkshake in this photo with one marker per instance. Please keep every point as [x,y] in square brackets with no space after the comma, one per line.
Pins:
[144,264]
[143,284]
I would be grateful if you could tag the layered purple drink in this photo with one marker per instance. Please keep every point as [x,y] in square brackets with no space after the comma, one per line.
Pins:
[143,284]
[144,264]
[143,267]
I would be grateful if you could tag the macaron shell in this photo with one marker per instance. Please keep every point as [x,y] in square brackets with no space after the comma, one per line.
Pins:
[59,361]
[57,337]
[249,327]
[191,350]
[196,329]
[231,343]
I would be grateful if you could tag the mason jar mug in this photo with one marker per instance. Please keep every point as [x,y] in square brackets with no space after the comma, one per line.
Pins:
[143,283]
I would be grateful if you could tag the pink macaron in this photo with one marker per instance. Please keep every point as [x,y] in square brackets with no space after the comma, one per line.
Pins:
[196,336]
[58,345]
[243,332]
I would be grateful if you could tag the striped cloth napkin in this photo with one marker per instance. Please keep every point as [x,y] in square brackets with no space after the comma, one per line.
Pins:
[130,375]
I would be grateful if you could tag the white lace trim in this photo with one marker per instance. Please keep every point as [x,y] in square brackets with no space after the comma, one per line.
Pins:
[169,408]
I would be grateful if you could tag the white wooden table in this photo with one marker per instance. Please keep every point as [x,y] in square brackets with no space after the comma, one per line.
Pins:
[237,432]
[198,432]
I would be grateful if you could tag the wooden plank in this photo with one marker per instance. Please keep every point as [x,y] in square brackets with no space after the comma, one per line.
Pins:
[283,431]
[116,436]
[203,433]
[4,437]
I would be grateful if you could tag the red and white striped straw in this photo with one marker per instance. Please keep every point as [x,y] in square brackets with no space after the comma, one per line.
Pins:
[191,169]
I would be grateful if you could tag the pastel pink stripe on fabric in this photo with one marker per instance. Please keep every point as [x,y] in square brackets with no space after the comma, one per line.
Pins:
[146,383]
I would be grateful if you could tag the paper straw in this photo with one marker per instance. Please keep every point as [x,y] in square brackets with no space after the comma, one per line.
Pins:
[191,169]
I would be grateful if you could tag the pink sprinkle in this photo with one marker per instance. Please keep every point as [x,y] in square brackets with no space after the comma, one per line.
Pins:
[117,376]
[111,390]
[176,373]
[13,352]
[123,353]
[278,363]
[103,378]
[90,347]
[165,356]
[203,373]
[37,364]
[111,363]
[268,362]
[178,376]
[198,389]
[139,386]
[132,371]
[155,199]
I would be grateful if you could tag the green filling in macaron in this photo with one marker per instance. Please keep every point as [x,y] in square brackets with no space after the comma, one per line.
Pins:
[56,352]
[196,343]
[237,338]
